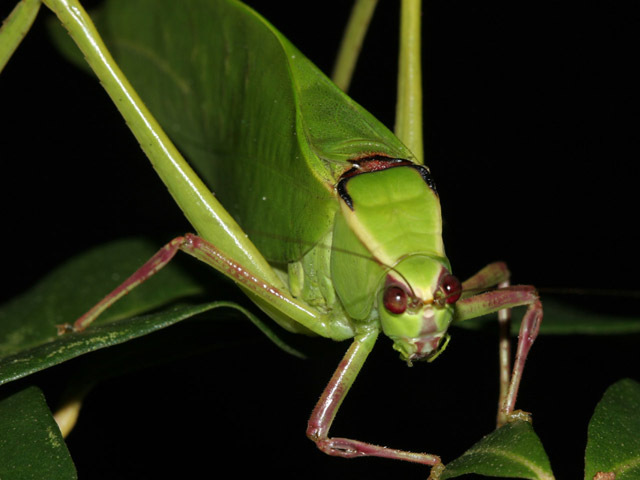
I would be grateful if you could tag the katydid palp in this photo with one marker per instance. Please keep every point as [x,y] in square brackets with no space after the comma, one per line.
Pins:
[356,189]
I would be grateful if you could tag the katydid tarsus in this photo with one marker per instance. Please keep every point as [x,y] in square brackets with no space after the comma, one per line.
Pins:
[351,185]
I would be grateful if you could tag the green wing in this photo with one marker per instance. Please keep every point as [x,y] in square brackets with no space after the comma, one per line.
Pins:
[267,131]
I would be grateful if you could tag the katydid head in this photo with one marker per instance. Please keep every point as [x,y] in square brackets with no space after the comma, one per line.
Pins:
[416,306]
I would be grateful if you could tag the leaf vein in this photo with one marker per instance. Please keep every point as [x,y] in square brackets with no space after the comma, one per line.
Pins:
[536,470]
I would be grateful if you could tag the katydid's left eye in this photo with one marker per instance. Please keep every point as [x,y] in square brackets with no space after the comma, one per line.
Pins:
[451,289]
[395,300]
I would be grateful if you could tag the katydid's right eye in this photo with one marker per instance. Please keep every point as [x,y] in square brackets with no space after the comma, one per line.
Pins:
[395,300]
[452,288]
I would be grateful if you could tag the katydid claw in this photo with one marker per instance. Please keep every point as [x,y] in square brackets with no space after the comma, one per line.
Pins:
[65,328]
[518,415]
[436,471]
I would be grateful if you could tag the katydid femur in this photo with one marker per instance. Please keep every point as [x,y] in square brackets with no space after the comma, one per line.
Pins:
[332,176]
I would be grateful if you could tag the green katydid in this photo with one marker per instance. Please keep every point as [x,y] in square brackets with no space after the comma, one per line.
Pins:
[358,189]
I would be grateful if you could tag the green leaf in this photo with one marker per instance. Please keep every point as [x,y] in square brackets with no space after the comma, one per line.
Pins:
[31,446]
[513,451]
[28,337]
[613,444]
[565,318]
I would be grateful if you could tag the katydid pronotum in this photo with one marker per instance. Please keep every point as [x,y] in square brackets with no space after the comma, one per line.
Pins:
[359,190]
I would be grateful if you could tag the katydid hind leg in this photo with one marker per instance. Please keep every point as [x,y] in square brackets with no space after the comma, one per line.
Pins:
[146,271]
[327,407]
[209,254]
[502,300]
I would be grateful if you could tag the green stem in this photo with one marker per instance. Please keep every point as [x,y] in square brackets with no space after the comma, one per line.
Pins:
[15,27]
[409,107]
[352,42]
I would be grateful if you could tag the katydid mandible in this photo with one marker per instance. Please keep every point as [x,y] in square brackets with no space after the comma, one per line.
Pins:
[370,256]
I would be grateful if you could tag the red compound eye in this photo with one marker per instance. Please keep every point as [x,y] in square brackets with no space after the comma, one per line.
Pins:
[395,300]
[451,288]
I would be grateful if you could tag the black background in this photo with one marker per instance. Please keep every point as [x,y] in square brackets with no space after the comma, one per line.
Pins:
[531,135]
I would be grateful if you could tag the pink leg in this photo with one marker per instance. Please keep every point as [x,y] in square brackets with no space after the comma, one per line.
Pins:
[496,274]
[155,263]
[527,335]
[504,355]
[325,411]
[209,254]
[502,300]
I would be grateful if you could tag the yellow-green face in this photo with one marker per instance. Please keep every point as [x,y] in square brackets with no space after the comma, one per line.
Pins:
[416,306]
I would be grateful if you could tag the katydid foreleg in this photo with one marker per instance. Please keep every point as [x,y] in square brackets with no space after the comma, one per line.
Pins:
[502,300]
[325,410]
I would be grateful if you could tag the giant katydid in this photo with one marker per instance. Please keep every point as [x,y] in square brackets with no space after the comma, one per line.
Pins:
[386,268]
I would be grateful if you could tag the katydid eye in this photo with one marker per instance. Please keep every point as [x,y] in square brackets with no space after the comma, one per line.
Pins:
[395,300]
[451,288]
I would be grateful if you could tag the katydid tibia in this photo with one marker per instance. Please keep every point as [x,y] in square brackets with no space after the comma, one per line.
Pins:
[332,176]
